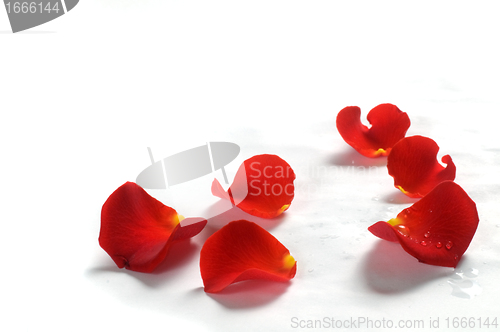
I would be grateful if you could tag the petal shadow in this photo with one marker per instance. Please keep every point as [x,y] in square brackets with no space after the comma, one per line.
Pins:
[250,293]
[179,255]
[388,269]
[353,158]
[222,216]
[397,197]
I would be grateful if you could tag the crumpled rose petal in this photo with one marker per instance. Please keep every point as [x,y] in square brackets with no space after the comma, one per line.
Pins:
[388,125]
[438,229]
[242,250]
[263,186]
[413,165]
[137,230]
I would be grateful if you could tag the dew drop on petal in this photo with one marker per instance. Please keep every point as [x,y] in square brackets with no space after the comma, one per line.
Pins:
[403,229]
[439,245]
[423,243]
[426,235]
[449,245]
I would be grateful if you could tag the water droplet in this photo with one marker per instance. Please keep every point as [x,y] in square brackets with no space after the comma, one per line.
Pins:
[439,245]
[449,245]
[471,272]
[376,198]
[310,270]
[466,289]
[457,276]
[423,243]
[464,284]
[403,229]
[426,235]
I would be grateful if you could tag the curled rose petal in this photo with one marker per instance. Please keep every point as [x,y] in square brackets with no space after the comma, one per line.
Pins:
[137,230]
[438,229]
[263,186]
[242,250]
[413,165]
[388,125]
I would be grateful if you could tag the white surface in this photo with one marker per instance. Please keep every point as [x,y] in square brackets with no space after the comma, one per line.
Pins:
[83,96]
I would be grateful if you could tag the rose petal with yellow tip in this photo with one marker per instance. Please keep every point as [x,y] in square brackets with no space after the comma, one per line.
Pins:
[137,230]
[242,250]
[388,125]
[413,165]
[438,229]
[263,186]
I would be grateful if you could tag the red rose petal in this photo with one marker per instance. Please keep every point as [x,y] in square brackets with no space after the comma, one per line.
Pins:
[413,165]
[242,250]
[137,230]
[437,229]
[389,125]
[263,186]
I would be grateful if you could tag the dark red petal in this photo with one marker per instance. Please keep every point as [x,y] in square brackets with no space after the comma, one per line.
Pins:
[189,227]
[242,250]
[263,186]
[137,230]
[413,165]
[388,125]
[437,229]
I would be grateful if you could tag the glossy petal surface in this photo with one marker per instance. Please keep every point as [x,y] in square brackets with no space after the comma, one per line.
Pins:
[137,230]
[413,165]
[263,186]
[388,125]
[438,229]
[242,250]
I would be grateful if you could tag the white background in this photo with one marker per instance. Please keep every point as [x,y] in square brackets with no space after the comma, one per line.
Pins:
[83,96]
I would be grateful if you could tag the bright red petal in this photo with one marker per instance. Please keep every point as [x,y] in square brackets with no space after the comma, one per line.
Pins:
[413,165]
[437,229]
[137,230]
[263,186]
[389,125]
[242,250]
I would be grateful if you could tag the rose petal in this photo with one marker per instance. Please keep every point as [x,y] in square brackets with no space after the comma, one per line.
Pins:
[137,230]
[263,186]
[389,125]
[413,165]
[242,250]
[438,229]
